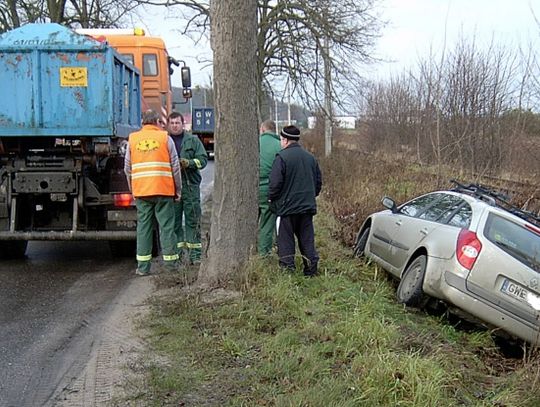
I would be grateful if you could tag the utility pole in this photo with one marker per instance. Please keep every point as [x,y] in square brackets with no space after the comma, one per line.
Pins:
[288,102]
[276,114]
[327,99]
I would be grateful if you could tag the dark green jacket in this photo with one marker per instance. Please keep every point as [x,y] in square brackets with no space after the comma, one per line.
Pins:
[193,151]
[269,146]
[295,181]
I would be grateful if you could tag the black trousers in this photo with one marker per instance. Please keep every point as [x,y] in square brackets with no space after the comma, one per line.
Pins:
[300,226]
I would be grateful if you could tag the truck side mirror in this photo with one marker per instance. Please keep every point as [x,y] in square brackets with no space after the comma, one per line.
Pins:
[186,93]
[186,77]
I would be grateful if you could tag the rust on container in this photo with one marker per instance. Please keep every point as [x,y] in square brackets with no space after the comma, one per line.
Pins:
[83,56]
[63,57]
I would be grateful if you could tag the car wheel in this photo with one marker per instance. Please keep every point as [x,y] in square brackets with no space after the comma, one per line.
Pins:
[409,291]
[361,240]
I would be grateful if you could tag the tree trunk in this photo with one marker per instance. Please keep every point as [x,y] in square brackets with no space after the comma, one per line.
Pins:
[233,227]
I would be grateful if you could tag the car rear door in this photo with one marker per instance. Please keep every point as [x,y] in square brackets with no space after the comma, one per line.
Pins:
[411,232]
[507,270]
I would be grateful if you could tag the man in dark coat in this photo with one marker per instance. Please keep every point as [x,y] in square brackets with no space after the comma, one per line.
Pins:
[295,181]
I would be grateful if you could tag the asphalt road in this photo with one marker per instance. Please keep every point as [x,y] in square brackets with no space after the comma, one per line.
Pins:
[52,305]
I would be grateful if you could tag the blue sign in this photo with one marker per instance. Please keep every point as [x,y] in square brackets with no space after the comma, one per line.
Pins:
[203,120]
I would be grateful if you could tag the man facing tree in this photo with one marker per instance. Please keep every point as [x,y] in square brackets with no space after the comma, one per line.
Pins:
[269,146]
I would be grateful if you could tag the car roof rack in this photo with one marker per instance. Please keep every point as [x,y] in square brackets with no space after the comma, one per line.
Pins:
[495,198]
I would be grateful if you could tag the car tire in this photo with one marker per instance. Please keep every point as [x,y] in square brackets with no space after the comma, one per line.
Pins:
[409,291]
[361,241]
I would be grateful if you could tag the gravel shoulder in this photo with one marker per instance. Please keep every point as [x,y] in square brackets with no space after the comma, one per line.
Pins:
[115,348]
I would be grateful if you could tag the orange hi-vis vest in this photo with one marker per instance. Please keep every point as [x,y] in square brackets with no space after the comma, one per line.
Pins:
[151,170]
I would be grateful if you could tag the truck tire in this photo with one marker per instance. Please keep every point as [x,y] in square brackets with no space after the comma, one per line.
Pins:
[13,249]
[122,248]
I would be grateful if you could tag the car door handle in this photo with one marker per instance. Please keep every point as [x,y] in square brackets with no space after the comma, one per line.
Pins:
[424,231]
[398,222]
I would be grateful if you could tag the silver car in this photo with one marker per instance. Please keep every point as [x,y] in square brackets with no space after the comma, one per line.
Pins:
[467,247]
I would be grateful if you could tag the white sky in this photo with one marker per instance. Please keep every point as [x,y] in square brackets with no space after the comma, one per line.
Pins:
[159,22]
[413,27]
[416,25]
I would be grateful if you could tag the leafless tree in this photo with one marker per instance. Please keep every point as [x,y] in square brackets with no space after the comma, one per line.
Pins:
[234,221]
[290,41]
[72,13]
[466,108]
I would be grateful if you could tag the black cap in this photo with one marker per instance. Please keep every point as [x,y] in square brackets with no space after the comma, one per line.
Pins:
[290,132]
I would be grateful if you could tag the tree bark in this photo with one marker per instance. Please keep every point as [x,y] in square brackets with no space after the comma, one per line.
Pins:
[233,227]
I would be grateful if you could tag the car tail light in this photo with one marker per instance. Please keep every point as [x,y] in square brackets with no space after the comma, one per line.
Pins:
[468,248]
[123,200]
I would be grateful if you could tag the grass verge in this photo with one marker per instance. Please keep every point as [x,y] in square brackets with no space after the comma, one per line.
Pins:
[339,339]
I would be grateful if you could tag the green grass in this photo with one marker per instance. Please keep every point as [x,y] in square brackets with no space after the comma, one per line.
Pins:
[336,340]
[339,339]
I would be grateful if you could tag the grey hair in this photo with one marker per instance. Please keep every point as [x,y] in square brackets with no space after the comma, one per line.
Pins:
[268,125]
[150,117]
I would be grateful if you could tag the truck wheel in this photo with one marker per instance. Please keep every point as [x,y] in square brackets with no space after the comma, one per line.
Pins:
[409,291]
[122,248]
[13,249]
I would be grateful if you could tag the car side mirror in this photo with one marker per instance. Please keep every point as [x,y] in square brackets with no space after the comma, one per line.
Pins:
[389,204]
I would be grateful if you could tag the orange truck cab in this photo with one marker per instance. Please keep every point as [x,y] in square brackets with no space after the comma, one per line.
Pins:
[150,56]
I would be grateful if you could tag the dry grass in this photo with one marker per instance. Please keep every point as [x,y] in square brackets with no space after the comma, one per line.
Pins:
[356,180]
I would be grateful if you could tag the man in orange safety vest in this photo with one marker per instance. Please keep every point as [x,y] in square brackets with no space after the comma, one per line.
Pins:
[153,171]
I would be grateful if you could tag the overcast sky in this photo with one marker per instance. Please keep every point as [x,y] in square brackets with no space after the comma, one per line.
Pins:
[413,27]
[416,25]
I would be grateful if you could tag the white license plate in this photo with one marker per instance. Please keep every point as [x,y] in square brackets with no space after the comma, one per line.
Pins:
[519,293]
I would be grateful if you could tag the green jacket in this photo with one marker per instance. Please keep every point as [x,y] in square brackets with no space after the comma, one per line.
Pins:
[269,146]
[193,151]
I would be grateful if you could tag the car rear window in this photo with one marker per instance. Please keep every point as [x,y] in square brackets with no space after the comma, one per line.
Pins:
[449,209]
[519,242]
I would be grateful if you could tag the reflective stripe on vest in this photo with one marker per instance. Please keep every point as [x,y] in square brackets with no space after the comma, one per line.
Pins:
[151,171]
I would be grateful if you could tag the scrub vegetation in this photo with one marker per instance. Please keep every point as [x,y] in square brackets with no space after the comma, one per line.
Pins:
[339,339]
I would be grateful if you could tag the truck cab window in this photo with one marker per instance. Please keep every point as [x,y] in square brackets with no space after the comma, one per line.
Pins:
[150,66]
[129,58]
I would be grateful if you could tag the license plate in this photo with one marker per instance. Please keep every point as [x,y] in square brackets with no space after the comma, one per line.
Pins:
[519,293]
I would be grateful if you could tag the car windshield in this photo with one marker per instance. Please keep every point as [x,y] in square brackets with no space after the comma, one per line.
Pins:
[516,240]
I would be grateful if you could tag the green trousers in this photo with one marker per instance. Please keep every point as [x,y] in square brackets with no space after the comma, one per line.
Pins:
[162,210]
[267,224]
[187,219]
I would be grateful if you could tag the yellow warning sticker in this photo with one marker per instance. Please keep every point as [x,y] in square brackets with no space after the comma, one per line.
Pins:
[147,145]
[73,76]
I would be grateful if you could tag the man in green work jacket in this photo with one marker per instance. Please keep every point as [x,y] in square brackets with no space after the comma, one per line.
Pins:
[193,158]
[269,146]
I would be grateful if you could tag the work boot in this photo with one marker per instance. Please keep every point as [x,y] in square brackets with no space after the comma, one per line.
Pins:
[172,266]
[139,272]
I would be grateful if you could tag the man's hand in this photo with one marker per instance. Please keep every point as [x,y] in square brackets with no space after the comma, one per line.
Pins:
[184,163]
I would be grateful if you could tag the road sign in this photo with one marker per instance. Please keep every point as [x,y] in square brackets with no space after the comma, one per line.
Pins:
[203,120]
